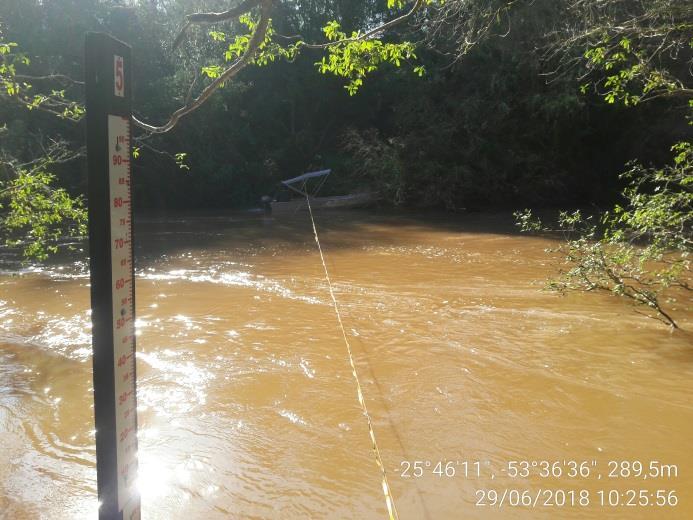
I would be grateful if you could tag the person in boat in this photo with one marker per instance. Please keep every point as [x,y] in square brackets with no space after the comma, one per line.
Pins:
[266,202]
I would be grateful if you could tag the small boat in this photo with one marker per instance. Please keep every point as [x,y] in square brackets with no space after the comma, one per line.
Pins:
[285,204]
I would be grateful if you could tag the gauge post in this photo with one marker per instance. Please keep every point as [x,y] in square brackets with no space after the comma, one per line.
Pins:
[109,152]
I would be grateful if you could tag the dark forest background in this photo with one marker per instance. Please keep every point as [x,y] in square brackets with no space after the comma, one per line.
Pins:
[494,127]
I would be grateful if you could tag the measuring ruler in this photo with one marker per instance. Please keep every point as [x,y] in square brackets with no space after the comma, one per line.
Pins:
[123,298]
[112,275]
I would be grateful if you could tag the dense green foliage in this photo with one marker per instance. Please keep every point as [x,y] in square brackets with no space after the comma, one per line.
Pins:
[639,250]
[39,215]
[634,53]
[468,104]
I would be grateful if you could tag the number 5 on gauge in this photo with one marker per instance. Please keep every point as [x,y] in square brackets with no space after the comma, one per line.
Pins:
[118,76]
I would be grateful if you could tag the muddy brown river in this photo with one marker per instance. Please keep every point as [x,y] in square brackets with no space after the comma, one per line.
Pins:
[490,397]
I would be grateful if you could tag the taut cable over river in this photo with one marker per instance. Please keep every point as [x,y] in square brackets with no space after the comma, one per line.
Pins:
[389,501]
[246,404]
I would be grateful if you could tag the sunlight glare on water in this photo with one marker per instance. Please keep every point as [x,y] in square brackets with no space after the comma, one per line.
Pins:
[246,403]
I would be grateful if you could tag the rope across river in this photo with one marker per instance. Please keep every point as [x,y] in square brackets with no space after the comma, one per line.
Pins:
[389,500]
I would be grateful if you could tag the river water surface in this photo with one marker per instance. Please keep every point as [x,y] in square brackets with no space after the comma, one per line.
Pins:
[248,409]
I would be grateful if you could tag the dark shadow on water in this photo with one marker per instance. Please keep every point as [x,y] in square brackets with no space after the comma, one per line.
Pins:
[248,234]
[160,235]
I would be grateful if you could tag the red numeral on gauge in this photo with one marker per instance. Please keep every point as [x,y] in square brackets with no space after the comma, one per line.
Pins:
[122,360]
[124,397]
[119,76]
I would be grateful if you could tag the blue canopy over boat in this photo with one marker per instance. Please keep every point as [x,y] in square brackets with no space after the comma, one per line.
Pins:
[306,176]
[289,183]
